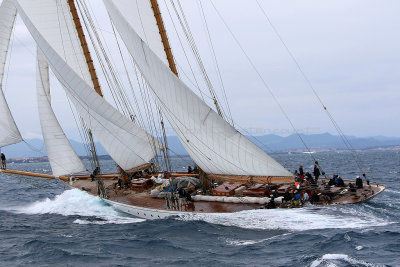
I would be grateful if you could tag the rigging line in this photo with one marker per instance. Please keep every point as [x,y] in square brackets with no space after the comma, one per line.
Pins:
[189,36]
[186,56]
[207,30]
[75,53]
[113,82]
[190,81]
[141,122]
[262,80]
[308,81]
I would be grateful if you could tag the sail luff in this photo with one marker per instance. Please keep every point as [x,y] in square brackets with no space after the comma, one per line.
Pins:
[9,133]
[56,37]
[63,159]
[212,143]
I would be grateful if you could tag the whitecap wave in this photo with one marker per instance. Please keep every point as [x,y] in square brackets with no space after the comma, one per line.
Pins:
[339,260]
[77,203]
[289,219]
[235,242]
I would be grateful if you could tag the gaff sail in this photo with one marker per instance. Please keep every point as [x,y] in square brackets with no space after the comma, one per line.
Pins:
[214,145]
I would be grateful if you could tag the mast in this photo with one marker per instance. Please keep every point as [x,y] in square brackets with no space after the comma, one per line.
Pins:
[172,66]
[96,85]
[85,47]
[164,37]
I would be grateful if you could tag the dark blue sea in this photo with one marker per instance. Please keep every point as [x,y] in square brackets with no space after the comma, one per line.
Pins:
[43,223]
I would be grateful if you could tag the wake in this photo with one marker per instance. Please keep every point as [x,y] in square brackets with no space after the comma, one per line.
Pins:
[77,203]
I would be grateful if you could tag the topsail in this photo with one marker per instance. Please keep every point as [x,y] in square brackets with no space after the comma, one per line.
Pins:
[9,133]
[212,143]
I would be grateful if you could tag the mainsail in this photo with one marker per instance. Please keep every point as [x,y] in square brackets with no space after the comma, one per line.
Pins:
[9,133]
[211,142]
[63,159]
[51,25]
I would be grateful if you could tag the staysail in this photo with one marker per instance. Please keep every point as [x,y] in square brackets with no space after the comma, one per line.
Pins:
[51,25]
[9,133]
[63,159]
[211,142]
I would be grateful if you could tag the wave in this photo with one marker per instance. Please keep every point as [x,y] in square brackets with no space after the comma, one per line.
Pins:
[77,203]
[339,260]
[234,242]
[290,219]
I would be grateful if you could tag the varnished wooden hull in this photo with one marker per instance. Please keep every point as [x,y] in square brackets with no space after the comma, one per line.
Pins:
[142,205]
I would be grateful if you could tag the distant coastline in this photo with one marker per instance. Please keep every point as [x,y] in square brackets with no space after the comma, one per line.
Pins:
[35,151]
[298,151]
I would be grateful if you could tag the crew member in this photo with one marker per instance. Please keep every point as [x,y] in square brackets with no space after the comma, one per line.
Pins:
[317,172]
[359,182]
[3,161]
[301,172]
[190,169]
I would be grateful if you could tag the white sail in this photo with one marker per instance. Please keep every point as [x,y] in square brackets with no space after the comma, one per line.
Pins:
[63,159]
[211,142]
[140,16]
[9,133]
[51,25]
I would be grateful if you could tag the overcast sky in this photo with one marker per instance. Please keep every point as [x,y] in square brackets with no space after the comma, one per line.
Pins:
[348,49]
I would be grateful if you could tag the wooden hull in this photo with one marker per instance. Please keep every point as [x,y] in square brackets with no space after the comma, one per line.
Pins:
[142,205]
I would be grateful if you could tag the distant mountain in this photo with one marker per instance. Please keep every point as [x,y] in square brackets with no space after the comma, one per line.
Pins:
[271,143]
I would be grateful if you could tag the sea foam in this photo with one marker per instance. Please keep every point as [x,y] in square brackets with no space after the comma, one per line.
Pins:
[339,260]
[78,203]
[289,219]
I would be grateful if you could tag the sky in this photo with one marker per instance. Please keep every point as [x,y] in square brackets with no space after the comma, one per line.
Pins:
[349,50]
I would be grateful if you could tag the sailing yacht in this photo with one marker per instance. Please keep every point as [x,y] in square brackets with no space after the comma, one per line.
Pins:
[234,173]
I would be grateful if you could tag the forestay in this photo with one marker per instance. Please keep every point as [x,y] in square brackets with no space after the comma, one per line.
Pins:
[9,133]
[51,25]
[211,142]
[63,159]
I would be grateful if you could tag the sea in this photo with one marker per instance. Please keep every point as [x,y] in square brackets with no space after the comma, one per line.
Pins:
[44,223]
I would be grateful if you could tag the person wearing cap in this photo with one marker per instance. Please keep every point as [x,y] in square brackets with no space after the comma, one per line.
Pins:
[359,182]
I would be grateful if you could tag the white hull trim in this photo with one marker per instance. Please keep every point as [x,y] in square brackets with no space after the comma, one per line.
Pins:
[146,213]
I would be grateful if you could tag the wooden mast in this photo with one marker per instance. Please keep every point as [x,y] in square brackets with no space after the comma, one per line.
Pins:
[164,37]
[85,47]
[172,66]
[96,85]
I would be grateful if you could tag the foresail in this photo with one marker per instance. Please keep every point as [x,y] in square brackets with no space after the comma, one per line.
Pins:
[9,133]
[55,35]
[63,159]
[211,142]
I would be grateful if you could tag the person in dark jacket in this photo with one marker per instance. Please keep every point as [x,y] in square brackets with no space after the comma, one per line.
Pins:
[3,161]
[359,182]
[317,172]
[301,172]
[287,196]
[340,182]
[308,176]
[271,204]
